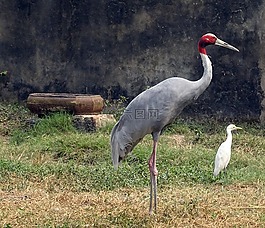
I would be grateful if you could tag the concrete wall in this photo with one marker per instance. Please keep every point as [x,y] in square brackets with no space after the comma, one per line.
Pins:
[115,48]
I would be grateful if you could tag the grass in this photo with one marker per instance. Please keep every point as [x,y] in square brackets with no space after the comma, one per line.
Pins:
[51,175]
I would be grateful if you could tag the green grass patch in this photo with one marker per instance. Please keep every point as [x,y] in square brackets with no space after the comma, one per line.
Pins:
[52,147]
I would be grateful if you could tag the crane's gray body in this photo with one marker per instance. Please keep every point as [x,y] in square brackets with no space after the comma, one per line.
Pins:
[155,108]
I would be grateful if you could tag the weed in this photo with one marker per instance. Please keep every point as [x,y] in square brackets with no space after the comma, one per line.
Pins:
[116,107]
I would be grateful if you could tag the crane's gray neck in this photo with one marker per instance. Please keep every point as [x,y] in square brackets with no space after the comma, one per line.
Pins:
[206,78]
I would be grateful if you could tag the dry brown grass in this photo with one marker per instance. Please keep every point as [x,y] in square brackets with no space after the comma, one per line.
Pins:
[198,206]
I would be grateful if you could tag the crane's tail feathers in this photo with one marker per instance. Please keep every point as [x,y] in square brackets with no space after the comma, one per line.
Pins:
[119,145]
[122,143]
[115,152]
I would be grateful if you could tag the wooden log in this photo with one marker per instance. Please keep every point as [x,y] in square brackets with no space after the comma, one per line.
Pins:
[78,104]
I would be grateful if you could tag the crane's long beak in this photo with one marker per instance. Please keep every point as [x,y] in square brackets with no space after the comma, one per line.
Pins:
[221,43]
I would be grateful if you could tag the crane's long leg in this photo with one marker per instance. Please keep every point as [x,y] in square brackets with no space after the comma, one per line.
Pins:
[153,178]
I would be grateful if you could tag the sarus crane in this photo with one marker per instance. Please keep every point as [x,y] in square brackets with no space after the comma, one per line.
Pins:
[223,154]
[155,108]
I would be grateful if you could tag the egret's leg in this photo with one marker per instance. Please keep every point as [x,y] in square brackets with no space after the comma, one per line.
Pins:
[225,174]
[153,178]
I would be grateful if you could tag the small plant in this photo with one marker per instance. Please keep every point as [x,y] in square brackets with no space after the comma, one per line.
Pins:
[4,73]
[12,116]
[116,107]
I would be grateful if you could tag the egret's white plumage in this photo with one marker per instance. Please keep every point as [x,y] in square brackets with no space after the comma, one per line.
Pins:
[223,154]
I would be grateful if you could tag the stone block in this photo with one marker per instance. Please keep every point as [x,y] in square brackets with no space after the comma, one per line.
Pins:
[88,123]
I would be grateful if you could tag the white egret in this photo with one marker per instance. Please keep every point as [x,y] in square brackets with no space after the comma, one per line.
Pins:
[223,154]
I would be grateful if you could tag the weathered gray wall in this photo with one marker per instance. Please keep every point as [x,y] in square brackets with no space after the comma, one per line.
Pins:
[118,48]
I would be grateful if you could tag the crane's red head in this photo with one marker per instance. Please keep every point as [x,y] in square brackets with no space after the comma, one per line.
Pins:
[206,40]
[209,39]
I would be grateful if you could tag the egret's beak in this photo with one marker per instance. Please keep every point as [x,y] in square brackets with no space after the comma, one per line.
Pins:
[238,128]
[221,43]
